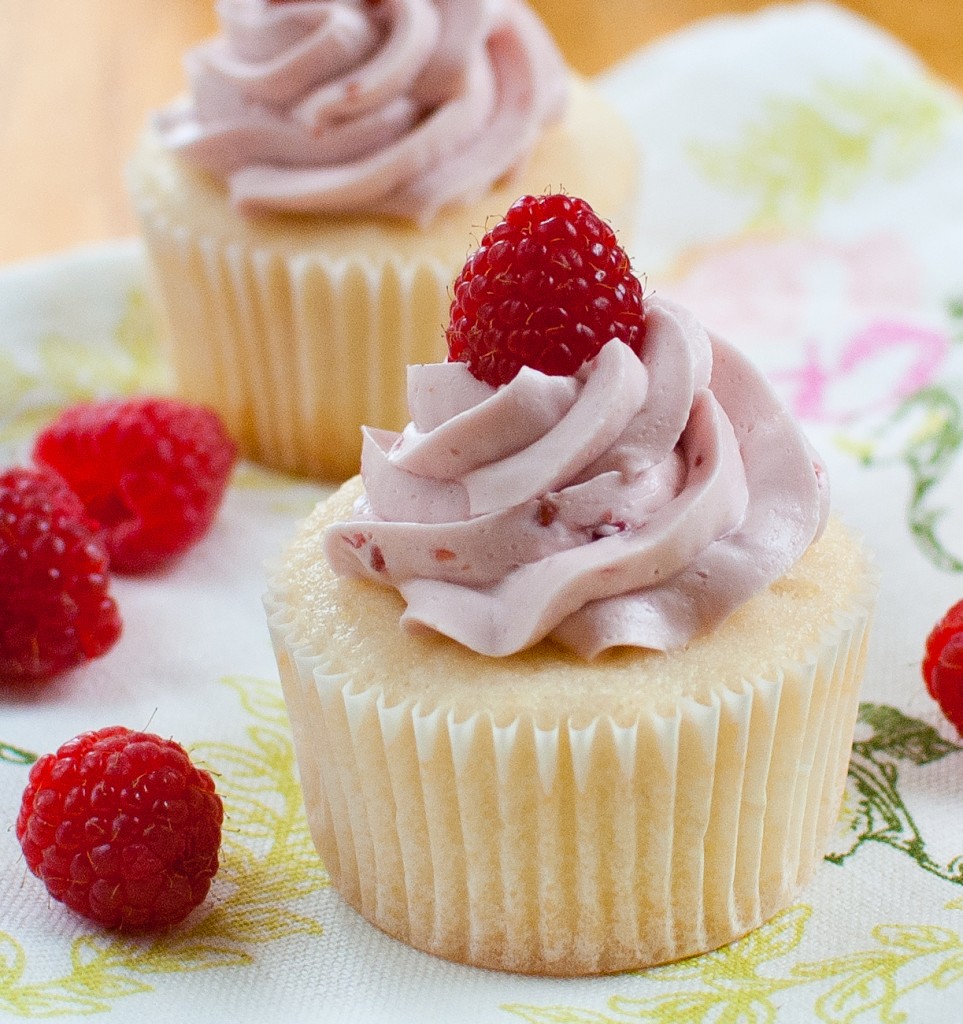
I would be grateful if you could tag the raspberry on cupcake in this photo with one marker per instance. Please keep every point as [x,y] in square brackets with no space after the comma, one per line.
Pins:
[547,287]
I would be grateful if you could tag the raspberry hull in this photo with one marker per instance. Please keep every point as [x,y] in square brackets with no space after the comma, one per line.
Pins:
[122,828]
[151,471]
[547,288]
[55,606]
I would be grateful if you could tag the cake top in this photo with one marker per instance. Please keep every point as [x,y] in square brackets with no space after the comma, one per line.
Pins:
[355,623]
[586,466]
[399,107]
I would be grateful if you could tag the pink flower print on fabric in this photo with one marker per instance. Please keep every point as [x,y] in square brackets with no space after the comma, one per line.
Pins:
[835,326]
[882,365]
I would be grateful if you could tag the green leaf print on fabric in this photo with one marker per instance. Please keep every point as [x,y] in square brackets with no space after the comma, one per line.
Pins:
[799,155]
[14,755]
[928,427]
[956,315]
[71,371]
[873,809]
[929,458]
[268,865]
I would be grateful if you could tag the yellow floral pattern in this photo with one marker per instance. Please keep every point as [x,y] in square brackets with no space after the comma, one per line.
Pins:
[798,155]
[740,984]
[268,867]
[70,371]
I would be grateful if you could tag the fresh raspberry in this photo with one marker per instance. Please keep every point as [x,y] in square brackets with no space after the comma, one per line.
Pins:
[547,288]
[943,665]
[151,471]
[55,608]
[122,827]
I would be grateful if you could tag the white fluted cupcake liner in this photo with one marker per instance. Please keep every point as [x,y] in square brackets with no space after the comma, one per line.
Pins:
[565,850]
[295,352]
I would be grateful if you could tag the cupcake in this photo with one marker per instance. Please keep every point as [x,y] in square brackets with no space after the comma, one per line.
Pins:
[304,208]
[573,666]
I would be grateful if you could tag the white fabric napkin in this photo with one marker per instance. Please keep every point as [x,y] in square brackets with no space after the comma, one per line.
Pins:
[803,192]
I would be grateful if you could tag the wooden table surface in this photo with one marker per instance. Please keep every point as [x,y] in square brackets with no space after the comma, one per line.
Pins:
[78,77]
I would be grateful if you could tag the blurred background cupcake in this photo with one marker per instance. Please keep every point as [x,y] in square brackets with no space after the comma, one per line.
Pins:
[304,206]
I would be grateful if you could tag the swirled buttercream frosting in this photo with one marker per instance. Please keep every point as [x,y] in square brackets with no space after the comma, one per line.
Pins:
[397,107]
[638,502]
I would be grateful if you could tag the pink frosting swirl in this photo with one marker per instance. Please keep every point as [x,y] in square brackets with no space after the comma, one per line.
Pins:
[393,107]
[637,503]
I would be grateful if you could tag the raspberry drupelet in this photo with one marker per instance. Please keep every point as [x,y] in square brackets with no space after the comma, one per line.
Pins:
[122,828]
[151,471]
[547,288]
[55,606]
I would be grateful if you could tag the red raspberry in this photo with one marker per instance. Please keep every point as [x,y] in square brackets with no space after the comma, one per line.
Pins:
[55,609]
[943,665]
[151,471]
[547,288]
[122,827]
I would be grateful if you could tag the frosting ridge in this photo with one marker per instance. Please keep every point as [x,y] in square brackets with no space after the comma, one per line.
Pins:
[637,503]
[398,107]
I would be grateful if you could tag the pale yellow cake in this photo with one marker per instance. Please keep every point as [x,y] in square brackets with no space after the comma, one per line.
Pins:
[543,814]
[298,329]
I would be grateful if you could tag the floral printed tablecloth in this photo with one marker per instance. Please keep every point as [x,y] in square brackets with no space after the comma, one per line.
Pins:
[803,187]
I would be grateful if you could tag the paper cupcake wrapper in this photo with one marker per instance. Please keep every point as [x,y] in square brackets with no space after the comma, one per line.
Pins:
[575,850]
[295,353]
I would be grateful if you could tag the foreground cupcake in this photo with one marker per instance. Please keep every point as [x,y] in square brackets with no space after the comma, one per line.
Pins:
[305,208]
[613,728]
